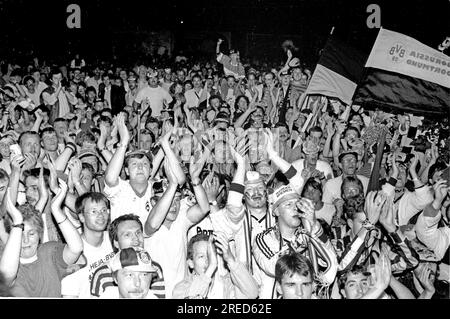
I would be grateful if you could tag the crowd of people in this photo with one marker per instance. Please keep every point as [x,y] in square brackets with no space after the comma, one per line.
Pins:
[218,180]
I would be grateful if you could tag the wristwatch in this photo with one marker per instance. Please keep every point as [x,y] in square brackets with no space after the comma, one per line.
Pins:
[21,226]
[197,184]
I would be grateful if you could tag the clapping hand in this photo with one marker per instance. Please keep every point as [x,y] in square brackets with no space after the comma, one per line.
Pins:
[14,213]
[223,245]
[373,205]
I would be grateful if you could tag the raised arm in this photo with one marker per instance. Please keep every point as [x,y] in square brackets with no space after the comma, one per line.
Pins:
[17,163]
[63,158]
[159,212]
[240,276]
[43,192]
[74,244]
[295,178]
[37,123]
[101,144]
[9,262]
[219,41]
[197,212]
[115,165]
[241,119]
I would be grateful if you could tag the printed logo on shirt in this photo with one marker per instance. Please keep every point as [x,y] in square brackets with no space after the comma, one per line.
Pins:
[208,232]
[93,266]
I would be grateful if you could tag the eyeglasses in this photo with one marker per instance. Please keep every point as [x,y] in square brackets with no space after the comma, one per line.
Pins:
[104,211]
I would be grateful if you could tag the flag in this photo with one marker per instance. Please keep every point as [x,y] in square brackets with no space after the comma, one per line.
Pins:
[407,75]
[338,72]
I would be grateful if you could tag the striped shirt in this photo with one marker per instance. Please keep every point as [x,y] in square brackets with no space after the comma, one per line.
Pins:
[102,279]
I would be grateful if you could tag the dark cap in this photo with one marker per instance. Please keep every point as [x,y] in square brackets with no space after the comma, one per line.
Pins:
[344,153]
[222,117]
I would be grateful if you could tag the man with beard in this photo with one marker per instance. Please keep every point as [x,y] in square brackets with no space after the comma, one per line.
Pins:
[94,213]
[296,229]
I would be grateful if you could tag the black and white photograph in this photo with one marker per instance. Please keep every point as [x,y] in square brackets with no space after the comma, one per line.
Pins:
[250,150]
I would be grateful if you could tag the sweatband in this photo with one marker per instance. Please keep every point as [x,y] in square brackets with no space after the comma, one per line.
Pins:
[291,172]
[238,188]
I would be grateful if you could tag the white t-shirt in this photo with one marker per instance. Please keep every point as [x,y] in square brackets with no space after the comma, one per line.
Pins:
[124,200]
[169,248]
[79,283]
[157,96]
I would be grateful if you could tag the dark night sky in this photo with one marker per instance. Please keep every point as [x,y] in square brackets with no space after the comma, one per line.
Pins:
[41,24]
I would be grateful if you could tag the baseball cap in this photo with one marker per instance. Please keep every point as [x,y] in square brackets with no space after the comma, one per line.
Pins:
[222,117]
[309,147]
[344,153]
[253,177]
[282,194]
[285,72]
[132,258]
[139,152]
[232,51]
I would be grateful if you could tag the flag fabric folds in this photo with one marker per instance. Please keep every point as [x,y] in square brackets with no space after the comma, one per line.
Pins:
[338,72]
[406,75]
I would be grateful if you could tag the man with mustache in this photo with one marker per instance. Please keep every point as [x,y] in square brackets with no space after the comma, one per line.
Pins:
[132,270]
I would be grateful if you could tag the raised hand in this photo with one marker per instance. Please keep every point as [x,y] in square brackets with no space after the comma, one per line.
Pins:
[53,178]
[387,216]
[122,129]
[14,213]
[42,188]
[171,177]
[75,167]
[30,161]
[196,165]
[413,166]
[382,272]
[425,278]
[212,258]
[270,147]
[440,192]
[307,213]
[17,161]
[223,245]
[373,205]
[211,186]
[60,195]
[340,127]
[67,138]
